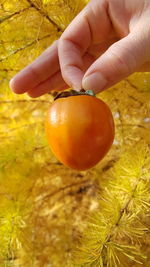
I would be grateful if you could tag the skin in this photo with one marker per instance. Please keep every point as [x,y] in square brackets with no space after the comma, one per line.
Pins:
[106,42]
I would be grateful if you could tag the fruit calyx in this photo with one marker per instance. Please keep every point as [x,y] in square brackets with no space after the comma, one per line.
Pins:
[74,93]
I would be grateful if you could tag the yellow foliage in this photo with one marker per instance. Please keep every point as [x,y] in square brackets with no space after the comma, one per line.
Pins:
[117,226]
[47,210]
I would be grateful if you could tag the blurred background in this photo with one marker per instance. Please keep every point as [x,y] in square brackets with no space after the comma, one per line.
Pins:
[51,215]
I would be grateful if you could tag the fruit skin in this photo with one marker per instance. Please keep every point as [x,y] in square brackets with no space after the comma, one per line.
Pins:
[80,130]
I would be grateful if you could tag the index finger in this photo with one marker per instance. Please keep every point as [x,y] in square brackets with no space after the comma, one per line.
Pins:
[46,65]
[89,27]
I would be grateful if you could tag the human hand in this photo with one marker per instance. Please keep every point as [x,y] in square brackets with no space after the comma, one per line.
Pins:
[106,42]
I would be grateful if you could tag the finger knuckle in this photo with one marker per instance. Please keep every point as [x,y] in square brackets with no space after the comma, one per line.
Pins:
[123,59]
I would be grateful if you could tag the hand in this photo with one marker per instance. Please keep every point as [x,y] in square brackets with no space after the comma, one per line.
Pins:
[106,42]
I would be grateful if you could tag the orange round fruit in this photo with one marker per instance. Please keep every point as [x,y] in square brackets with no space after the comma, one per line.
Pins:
[80,130]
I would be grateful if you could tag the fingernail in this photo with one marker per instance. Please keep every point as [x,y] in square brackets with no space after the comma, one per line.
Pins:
[11,84]
[76,87]
[95,82]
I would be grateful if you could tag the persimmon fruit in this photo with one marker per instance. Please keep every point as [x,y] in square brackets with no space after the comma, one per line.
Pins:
[80,130]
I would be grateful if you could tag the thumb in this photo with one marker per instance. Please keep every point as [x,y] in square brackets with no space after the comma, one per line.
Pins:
[120,60]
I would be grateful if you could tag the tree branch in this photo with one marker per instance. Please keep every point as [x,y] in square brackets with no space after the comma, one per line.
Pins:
[63,188]
[45,15]
[23,101]
[12,15]
[130,125]
[16,128]
[7,70]
[122,211]
[24,47]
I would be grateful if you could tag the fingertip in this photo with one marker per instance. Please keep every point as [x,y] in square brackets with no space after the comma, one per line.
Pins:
[15,86]
[36,92]
[32,95]
[95,82]
[12,85]
[76,87]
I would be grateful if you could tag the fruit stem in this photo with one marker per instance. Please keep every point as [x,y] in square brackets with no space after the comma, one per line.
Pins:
[74,93]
